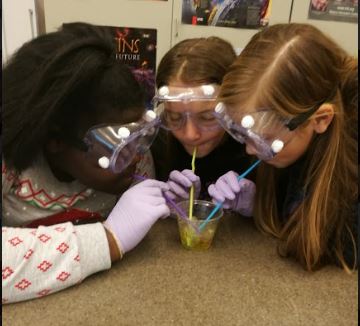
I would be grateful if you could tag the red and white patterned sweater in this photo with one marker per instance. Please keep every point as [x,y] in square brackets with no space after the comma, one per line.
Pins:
[40,260]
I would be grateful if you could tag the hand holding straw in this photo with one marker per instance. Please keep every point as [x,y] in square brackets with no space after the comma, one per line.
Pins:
[191,199]
[180,211]
[218,205]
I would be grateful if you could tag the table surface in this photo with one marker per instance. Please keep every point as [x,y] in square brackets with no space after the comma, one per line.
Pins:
[240,280]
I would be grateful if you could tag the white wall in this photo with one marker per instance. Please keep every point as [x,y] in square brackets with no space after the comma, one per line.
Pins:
[345,34]
[165,16]
[134,13]
[19,25]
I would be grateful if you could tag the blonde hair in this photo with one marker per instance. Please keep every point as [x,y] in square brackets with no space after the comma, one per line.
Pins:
[291,68]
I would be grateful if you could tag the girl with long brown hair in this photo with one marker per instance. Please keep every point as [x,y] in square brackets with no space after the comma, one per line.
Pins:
[188,81]
[291,97]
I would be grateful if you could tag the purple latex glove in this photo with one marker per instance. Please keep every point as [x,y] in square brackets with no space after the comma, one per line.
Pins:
[236,195]
[136,211]
[180,184]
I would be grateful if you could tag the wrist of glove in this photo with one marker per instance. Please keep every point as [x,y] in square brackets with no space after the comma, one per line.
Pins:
[236,195]
[135,213]
[180,183]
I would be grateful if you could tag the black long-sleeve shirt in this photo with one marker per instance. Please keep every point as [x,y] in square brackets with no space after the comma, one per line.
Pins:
[169,154]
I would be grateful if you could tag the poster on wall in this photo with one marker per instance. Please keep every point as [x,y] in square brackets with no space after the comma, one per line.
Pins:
[227,13]
[335,10]
[136,47]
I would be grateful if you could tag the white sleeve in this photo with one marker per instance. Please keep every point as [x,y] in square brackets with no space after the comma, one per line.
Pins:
[38,262]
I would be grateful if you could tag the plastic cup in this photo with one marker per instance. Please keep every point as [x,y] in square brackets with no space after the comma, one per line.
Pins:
[191,238]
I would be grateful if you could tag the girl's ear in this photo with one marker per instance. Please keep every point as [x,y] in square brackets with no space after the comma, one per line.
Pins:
[323,118]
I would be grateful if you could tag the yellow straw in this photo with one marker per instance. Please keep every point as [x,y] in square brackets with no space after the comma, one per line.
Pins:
[191,202]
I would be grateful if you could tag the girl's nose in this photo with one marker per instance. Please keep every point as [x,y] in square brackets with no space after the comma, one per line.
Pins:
[191,131]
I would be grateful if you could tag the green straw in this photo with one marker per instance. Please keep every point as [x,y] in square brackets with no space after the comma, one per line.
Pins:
[191,201]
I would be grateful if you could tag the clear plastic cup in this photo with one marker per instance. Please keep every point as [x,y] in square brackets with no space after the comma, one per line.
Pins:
[190,235]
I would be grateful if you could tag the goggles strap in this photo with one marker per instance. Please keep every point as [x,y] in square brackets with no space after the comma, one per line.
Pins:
[302,117]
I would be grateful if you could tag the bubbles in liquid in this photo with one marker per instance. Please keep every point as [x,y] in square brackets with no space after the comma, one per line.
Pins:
[191,239]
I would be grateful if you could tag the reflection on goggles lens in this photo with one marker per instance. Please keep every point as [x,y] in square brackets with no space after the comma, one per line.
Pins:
[263,130]
[168,98]
[116,146]
[187,94]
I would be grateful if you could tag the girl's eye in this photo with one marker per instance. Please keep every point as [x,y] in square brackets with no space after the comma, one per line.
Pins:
[206,116]
[173,116]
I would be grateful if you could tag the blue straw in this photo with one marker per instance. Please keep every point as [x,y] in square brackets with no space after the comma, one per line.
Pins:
[219,205]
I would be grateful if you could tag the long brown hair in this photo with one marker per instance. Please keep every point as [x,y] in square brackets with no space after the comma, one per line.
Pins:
[291,68]
[196,61]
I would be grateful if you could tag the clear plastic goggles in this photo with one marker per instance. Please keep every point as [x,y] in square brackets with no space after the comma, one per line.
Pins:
[115,146]
[170,102]
[264,130]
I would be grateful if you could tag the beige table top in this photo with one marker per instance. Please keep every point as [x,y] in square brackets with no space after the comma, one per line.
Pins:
[240,281]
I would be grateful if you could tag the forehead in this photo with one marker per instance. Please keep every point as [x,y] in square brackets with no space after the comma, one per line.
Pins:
[175,91]
[193,106]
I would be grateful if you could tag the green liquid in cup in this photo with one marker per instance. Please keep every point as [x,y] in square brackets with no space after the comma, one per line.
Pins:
[189,236]
[190,239]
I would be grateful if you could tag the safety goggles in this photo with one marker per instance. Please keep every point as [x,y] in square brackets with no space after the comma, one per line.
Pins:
[174,105]
[264,130]
[115,146]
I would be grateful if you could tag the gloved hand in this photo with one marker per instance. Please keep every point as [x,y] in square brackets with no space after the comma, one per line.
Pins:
[136,211]
[236,195]
[180,184]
